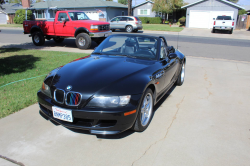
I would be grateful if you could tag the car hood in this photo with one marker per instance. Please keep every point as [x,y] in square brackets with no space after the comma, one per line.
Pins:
[92,75]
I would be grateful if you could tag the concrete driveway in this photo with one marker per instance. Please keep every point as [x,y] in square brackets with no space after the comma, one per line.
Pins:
[204,122]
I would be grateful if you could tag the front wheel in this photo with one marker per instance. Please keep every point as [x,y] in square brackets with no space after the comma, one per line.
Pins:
[129,29]
[181,76]
[38,39]
[145,111]
[83,41]
[58,39]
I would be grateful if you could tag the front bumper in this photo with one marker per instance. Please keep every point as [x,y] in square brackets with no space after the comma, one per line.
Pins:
[97,121]
[100,34]
[222,28]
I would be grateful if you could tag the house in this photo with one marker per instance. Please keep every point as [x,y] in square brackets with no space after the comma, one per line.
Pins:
[145,10]
[7,14]
[200,14]
[95,9]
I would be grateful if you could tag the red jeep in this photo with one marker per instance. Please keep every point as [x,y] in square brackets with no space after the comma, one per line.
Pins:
[67,24]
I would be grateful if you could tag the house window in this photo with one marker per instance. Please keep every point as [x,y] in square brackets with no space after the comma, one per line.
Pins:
[122,13]
[143,12]
[39,14]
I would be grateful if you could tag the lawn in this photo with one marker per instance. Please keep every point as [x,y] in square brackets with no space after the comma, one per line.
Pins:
[12,25]
[29,66]
[161,27]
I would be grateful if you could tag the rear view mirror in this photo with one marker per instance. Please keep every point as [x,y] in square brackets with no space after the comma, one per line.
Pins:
[172,55]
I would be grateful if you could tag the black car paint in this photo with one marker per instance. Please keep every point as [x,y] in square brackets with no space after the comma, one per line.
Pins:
[109,75]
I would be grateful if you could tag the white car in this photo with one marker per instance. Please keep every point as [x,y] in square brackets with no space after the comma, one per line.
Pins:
[224,22]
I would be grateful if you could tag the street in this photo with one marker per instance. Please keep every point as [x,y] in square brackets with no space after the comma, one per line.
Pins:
[219,48]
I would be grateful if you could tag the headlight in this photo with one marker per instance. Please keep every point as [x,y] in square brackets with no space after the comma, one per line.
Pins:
[105,102]
[94,27]
[46,90]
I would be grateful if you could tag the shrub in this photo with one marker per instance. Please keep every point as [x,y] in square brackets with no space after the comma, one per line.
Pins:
[241,12]
[182,20]
[151,20]
[170,20]
[21,15]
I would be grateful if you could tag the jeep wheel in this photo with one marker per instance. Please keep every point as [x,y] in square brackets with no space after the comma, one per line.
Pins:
[38,39]
[83,41]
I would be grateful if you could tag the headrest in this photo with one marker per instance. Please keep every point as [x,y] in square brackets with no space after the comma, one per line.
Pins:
[130,42]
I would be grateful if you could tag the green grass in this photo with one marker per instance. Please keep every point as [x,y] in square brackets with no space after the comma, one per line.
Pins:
[161,27]
[17,64]
[12,25]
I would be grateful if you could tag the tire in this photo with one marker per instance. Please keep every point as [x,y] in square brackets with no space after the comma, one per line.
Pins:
[58,39]
[181,76]
[213,31]
[129,29]
[231,32]
[142,122]
[113,30]
[83,41]
[38,39]
[136,30]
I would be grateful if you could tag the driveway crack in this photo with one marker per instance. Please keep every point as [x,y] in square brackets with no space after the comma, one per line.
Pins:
[11,160]
[178,107]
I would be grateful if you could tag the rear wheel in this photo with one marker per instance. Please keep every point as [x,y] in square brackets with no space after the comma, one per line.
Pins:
[83,41]
[213,31]
[129,29]
[181,76]
[58,39]
[38,39]
[145,112]
[231,32]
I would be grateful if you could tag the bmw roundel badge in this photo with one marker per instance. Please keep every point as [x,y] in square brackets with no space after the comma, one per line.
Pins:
[69,87]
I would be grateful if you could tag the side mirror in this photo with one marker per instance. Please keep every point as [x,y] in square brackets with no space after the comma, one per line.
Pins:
[172,55]
[63,20]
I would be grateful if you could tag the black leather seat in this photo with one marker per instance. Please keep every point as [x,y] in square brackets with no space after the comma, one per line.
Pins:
[129,47]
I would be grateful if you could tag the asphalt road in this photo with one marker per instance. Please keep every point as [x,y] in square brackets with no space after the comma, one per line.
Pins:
[219,48]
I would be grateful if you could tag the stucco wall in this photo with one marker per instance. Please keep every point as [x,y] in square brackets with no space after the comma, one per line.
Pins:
[212,5]
[148,6]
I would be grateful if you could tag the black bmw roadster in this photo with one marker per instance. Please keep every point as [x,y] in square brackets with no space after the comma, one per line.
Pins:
[115,88]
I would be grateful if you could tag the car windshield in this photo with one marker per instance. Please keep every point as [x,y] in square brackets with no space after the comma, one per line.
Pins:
[224,18]
[78,16]
[141,47]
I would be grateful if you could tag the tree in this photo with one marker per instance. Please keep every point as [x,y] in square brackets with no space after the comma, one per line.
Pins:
[124,2]
[20,16]
[15,1]
[1,2]
[109,0]
[241,12]
[129,7]
[234,1]
[167,6]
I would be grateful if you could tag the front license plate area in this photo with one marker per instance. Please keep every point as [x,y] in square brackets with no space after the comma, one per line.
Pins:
[62,114]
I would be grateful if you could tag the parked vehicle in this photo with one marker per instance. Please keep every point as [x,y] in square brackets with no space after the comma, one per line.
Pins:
[115,88]
[68,24]
[225,23]
[127,23]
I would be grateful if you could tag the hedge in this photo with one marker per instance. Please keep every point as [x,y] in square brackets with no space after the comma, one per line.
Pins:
[21,15]
[150,20]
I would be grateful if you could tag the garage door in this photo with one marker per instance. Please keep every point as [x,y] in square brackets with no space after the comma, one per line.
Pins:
[204,19]
[3,19]
[199,19]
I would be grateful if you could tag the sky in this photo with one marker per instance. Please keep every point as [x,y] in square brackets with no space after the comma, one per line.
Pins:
[241,2]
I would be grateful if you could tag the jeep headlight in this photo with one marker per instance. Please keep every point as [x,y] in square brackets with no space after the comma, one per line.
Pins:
[106,102]
[46,90]
[94,27]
